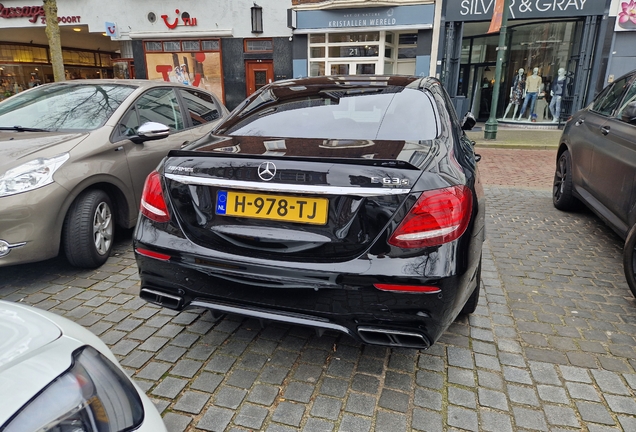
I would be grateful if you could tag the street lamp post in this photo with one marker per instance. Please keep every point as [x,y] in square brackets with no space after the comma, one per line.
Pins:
[490,131]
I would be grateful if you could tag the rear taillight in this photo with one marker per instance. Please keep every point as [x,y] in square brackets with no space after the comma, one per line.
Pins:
[408,288]
[439,216]
[153,206]
[152,254]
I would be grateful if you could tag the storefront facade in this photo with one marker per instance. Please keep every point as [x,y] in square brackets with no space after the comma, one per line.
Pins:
[622,57]
[330,39]
[24,53]
[552,60]
[231,48]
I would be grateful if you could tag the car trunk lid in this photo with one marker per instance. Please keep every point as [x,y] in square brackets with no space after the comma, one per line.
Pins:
[310,199]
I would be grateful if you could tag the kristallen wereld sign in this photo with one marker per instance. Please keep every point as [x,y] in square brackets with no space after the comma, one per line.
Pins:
[481,10]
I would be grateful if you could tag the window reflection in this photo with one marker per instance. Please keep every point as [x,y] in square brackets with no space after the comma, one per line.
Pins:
[65,107]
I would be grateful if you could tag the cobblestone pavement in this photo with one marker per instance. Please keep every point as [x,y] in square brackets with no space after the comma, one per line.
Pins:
[550,348]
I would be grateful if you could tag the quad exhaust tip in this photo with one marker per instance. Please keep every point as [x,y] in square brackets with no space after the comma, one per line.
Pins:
[161,298]
[395,338]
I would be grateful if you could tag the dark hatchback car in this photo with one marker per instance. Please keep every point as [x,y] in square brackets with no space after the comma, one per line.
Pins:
[342,203]
[596,160]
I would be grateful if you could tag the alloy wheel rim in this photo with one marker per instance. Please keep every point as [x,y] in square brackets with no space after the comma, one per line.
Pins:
[102,228]
[559,178]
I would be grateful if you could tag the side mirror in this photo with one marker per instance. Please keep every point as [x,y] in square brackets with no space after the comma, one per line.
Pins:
[468,122]
[629,113]
[151,131]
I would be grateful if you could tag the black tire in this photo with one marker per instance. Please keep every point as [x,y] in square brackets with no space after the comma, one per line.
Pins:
[471,304]
[562,196]
[629,258]
[89,229]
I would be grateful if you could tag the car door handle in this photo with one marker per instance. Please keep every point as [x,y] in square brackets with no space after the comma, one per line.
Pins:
[185,143]
[120,148]
[605,130]
[579,122]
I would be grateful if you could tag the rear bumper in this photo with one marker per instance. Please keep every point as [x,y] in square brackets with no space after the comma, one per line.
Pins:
[339,296]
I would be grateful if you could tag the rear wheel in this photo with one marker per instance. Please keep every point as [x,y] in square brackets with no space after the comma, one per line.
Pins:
[629,256]
[562,196]
[88,230]
[471,304]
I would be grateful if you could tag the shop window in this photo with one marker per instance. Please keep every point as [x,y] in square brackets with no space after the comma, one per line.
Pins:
[105,60]
[316,69]
[365,69]
[186,45]
[317,52]
[211,45]
[73,57]
[172,46]
[354,37]
[339,69]
[404,53]
[317,38]
[154,46]
[354,51]
[258,45]
[408,39]
[191,45]
[200,68]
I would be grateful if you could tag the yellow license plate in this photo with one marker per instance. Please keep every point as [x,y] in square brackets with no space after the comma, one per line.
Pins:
[272,207]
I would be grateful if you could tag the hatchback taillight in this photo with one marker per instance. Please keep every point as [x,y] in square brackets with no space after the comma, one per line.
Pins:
[153,205]
[439,216]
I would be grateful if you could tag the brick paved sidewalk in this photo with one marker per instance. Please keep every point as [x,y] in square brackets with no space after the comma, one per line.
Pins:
[517,168]
[550,348]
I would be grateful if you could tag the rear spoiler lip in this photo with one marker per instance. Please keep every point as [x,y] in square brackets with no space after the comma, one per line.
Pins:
[393,163]
[287,188]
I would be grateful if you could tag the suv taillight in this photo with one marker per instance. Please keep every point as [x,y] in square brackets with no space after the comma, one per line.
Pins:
[153,206]
[439,216]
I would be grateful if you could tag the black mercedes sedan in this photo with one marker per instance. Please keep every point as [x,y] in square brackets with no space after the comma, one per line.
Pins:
[346,203]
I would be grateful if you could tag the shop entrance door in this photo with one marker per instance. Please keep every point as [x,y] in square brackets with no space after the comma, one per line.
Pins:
[257,74]
[482,79]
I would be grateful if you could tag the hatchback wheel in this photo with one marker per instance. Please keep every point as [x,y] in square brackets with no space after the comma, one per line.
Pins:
[629,258]
[88,230]
[562,196]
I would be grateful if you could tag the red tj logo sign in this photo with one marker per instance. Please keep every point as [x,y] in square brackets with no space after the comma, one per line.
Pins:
[185,17]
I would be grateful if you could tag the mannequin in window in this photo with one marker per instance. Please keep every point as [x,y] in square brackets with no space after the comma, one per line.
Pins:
[557,92]
[516,92]
[533,85]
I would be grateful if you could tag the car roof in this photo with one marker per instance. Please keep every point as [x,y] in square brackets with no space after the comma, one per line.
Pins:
[141,83]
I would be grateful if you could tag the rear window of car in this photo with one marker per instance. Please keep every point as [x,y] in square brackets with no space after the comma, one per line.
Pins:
[63,107]
[394,113]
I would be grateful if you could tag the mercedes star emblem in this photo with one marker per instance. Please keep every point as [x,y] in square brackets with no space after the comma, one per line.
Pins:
[267,171]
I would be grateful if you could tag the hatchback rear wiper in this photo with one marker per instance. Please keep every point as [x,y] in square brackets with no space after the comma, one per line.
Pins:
[22,129]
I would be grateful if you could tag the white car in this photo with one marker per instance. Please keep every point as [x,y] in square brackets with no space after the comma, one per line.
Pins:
[57,376]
